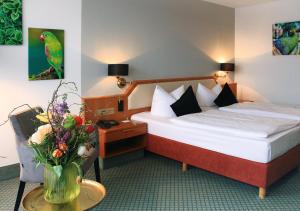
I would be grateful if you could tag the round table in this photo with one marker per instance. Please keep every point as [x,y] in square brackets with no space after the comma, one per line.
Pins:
[91,194]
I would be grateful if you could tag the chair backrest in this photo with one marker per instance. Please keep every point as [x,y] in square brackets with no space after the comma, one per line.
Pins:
[24,125]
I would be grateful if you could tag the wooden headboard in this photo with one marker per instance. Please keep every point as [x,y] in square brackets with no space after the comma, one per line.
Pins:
[137,97]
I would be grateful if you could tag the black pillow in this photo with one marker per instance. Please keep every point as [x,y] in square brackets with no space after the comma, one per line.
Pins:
[226,97]
[186,104]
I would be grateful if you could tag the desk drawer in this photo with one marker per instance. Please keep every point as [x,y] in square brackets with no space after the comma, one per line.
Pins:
[125,133]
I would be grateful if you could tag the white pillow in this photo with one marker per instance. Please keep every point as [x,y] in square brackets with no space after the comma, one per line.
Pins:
[205,96]
[177,93]
[162,100]
[217,89]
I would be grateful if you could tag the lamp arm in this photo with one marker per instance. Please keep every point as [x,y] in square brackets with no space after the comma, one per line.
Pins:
[122,82]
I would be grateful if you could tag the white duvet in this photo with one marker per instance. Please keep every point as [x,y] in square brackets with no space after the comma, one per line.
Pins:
[265,110]
[231,123]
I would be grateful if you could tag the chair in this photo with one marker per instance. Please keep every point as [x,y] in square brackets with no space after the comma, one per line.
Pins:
[24,126]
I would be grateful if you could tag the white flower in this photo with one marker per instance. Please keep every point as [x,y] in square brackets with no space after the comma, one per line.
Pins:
[39,136]
[81,150]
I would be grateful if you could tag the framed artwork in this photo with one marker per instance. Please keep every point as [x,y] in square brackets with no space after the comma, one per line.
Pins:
[11,22]
[286,38]
[45,54]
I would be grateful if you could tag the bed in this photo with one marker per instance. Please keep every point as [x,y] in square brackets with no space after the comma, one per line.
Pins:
[256,161]
[261,150]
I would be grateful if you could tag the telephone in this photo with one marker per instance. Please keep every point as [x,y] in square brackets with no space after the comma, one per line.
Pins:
[106,124]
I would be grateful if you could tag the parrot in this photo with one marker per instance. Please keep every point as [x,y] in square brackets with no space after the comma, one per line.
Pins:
[53,51]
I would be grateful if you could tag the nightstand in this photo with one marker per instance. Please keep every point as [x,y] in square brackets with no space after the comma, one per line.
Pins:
[233,87]
[122,143]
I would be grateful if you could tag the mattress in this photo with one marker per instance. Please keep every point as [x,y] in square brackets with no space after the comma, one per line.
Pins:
[262,150]
[235,124]
[265,110]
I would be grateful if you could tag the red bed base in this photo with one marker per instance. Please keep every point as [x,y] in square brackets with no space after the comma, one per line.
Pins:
[257,174]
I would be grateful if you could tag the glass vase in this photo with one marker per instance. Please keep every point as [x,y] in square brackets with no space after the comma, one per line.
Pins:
[63,189]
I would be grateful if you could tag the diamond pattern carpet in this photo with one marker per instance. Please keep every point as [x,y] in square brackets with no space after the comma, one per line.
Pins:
[157,183]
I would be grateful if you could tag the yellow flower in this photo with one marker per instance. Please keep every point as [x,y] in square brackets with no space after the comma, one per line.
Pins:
[43,117]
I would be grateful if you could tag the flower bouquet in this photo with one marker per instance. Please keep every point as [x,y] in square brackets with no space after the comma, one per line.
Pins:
[60,145]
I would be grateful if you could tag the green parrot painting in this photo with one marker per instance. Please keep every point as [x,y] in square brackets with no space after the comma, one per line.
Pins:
[286,38]
[53,52]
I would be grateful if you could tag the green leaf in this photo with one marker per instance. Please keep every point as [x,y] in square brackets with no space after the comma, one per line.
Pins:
[14,16]
[58,170]
[9,6]
[69,122]
[5,10]
[10,31]
[78,169]
[18,35]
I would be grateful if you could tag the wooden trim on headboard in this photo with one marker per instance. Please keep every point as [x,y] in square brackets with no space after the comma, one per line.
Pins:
[95,103]
[133,84]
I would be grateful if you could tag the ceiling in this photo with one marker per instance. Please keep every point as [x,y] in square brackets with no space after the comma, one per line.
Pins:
[238,3]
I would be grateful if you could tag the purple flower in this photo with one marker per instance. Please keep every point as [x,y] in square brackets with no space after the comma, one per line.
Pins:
[61,108]
[59,135]
[62,137]
[66,136]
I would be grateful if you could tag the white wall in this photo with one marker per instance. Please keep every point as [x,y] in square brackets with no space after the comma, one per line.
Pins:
[15,89]
[260,75]
[158,38]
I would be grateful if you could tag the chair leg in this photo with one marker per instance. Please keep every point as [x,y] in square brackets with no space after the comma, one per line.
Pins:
[97,170]
[19,195]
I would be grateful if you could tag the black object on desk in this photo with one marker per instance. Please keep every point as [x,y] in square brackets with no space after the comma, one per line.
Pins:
[106,124]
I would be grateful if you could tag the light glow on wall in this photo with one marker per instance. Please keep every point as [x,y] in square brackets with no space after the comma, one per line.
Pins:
[219,51]
[114,55]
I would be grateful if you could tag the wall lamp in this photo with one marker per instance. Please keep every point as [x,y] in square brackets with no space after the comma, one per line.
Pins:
[226,67]
[119,70]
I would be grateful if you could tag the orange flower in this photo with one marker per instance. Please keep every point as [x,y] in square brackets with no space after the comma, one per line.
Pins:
[63,147]
[57,153]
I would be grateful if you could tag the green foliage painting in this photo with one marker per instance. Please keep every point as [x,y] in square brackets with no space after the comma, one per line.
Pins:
[286,38]
[11,22]
[45,54]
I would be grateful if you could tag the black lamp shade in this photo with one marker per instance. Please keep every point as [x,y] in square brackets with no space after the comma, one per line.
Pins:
[228,67]
[118,69]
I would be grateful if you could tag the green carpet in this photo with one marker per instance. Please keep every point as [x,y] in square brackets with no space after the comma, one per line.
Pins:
[156,183]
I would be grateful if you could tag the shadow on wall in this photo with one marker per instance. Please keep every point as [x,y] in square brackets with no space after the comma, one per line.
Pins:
[259,77]
[249,94]
[159,62]
[247,84]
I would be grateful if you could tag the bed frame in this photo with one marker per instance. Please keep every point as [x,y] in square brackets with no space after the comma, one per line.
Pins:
[137,98]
